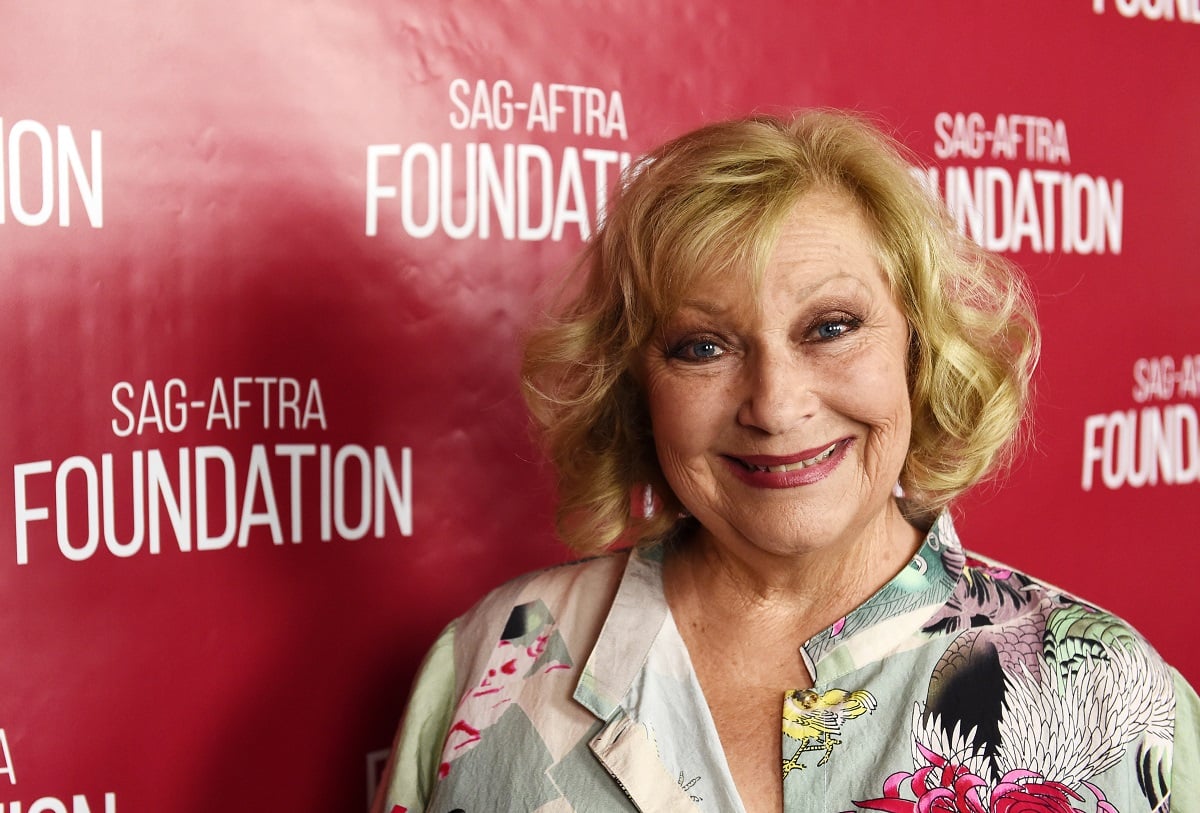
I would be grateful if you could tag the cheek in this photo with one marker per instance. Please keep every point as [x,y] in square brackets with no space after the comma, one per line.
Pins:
[677,400]
[678,451]
[892,422]
[686,416]
[893,411]
[675,421]
[877,392]
[877,396]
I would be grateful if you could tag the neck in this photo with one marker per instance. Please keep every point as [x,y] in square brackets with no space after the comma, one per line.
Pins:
[806,591]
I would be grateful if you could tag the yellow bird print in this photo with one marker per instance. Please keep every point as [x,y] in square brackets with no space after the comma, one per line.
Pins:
[815,720]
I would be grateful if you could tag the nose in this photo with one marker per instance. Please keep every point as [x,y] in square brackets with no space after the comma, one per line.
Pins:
[777,392]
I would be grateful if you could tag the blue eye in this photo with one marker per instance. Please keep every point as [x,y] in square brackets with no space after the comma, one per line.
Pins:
[700,350]
[835,328]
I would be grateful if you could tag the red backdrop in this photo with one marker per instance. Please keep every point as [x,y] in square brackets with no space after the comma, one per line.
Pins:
[264,268]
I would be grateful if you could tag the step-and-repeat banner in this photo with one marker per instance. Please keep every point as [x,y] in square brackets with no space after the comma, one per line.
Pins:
[265,266]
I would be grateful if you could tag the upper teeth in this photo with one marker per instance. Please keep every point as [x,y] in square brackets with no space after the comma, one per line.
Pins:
[801,464]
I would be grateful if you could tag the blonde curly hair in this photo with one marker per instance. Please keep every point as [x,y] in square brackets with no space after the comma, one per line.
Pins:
[711,202]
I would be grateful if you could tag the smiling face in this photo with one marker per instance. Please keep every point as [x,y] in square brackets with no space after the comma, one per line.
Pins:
[781,417]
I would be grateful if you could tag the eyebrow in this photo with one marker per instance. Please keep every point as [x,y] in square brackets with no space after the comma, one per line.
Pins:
[814,290]
[704,306]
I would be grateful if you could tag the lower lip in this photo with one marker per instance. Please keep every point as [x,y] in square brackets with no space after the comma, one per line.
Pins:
[790,479]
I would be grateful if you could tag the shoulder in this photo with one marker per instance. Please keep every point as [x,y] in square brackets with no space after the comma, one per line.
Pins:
[1033,627]
[1065,686]
[506,667]
[990,593]
[570,600]
[566,586]
[1052,643]
[1072,629]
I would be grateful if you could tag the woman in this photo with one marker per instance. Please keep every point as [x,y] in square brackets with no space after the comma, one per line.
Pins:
[784,341]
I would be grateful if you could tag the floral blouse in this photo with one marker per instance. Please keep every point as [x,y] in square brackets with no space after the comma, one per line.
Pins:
[962,685]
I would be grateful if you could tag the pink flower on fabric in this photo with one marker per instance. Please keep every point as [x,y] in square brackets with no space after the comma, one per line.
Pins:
[1026,792]
[944,787]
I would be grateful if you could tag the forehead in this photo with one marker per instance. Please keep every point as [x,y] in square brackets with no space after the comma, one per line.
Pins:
[823,242]
[826,229]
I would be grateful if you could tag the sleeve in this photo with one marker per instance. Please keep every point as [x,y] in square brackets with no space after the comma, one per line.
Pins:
[412,768]
[1185,757]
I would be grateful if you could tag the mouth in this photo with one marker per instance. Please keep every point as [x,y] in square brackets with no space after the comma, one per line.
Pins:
[766,464]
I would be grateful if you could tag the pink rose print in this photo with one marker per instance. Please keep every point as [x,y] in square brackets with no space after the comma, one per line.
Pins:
[1031,795]
[944,787]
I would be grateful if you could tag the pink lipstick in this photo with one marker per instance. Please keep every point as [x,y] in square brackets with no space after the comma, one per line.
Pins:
[789,471]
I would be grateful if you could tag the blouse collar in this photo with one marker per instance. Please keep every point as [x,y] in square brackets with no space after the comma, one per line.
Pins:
[888,622]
